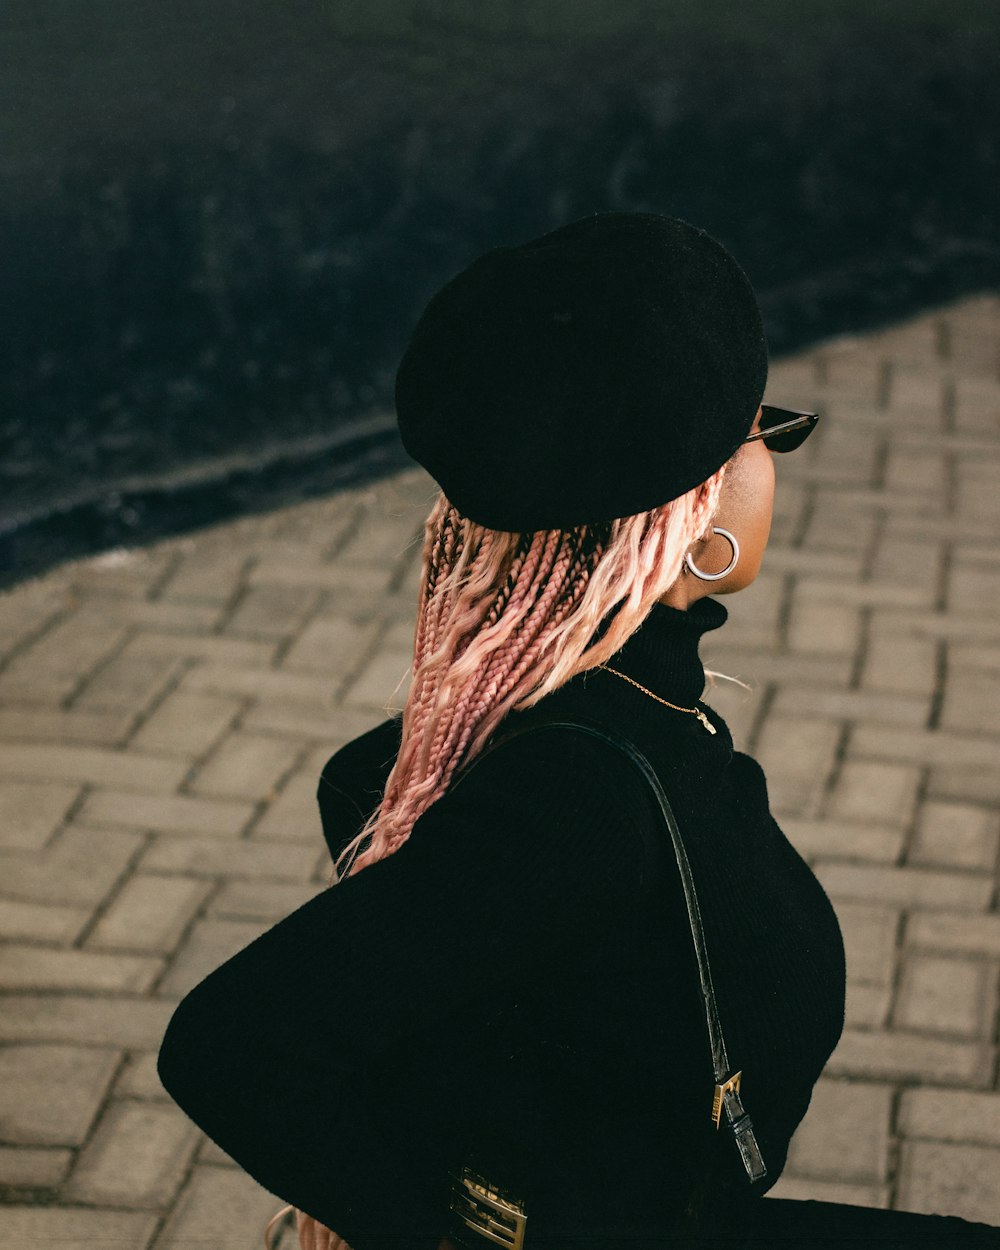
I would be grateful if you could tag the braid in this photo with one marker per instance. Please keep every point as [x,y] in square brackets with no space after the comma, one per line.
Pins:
[506,618]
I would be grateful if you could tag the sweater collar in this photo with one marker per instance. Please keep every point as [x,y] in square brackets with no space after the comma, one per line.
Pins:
[662,654]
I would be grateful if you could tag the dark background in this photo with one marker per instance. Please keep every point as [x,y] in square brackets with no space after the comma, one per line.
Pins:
[218,222]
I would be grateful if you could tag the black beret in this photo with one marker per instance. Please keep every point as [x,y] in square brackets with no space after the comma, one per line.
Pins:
[595,372]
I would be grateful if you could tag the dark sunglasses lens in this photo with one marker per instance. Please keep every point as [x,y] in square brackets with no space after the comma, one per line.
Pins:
[784,440]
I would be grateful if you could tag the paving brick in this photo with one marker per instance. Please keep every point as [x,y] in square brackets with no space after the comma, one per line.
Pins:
[876,707]
[754,617]
[137,1157]
[797,754]
[866,1006]
[383,537]
[757,667]
[972,588]
[55,663]
[126,771]
[210,943]
[965,626]
[385,681]
[899,664]
[332,645]
[294,814]
[838,839]
[956,835]
[870,938]
[344,578]
[833,470]
[128,683]
[911,746]
[214,857]
[80,866]
[186,724]
[944,1179]
[946,994]
[120,571]
[49,1095]
[262,901]
[910,469]
[41,923]
[76,1228]
[207,573]
[30,1167]
[271,612]
[954,1115]
[882,793]
[34,724]
[893,1055]
[822,564]
[139,1079]
[832,527]
[210,1152]
[159,614]
[292,721]
[905,887]
[944,931]
[27,608]
[975,548]
[908,353]
[84,1020]
[972,702]
[399,634]
[826,628]
[881,503]
[247,766]
[971,655]
[150,913]
[166,814]
[38,968]
[845,1133]
[952,783]
[870,594]
[240,652]
[293,689]
[31,811]
[218,1207]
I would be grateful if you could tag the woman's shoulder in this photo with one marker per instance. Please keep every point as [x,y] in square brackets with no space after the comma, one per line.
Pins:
[374,751]
[551,790]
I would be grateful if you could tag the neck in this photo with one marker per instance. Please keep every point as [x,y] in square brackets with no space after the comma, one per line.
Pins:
[662,654]
[683,593]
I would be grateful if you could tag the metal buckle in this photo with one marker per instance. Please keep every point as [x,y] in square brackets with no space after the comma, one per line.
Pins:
[732,1085]
[482,1208]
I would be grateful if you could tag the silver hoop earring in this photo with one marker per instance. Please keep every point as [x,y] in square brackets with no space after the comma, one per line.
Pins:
[714,577]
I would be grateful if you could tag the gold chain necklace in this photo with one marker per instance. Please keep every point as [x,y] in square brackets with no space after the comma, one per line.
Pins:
[695,711]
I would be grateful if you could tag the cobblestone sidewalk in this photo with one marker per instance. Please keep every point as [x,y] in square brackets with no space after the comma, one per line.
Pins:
[164,715]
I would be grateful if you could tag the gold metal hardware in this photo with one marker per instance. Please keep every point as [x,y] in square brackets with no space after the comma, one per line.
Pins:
[732,1085]
[482,1208]
[706,722]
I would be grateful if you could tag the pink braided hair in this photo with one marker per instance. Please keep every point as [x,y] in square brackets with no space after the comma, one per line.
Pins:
[503,620]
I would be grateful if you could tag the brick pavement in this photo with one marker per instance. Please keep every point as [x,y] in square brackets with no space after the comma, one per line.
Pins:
[164,714]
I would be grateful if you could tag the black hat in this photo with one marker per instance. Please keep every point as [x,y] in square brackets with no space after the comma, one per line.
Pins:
[595,372]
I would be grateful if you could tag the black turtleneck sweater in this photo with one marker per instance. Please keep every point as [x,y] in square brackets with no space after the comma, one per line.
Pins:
[515,987]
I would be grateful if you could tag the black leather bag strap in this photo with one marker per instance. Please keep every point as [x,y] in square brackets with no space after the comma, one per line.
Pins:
[727,1084]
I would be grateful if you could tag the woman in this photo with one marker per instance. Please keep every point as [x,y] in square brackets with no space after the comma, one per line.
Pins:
[503,976]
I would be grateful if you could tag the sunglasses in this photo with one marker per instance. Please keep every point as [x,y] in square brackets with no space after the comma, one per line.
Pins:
[783,429]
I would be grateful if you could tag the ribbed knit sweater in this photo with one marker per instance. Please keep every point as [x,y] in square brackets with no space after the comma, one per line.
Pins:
[516,988]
